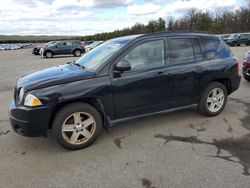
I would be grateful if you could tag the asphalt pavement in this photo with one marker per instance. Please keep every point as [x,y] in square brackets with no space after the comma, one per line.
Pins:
[180,149]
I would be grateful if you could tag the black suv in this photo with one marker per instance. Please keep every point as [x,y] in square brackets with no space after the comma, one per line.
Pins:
[238,39]
[125,78]
[74,47]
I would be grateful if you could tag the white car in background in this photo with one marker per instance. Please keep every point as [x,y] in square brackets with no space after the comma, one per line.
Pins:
[92,45]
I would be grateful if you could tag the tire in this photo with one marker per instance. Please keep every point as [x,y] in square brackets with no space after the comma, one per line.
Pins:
[210,101]
[72,135]
[233,44]
[247,78]
[77,53]
[48,54]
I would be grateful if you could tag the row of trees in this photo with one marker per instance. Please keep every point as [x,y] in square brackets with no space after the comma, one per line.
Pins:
[217,22]
[152,26]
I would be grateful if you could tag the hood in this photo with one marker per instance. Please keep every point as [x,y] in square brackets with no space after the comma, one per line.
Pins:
[53,76]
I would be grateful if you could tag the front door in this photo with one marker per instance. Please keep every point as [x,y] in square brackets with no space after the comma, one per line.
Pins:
[136,92]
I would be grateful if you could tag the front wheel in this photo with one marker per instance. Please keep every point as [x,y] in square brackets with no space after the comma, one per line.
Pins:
[77,126]
[213,99]
[48,54]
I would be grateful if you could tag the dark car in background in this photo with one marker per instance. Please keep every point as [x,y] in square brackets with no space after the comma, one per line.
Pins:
[65,47]
[246,66]
[125,78]
[238,39]
[36,50]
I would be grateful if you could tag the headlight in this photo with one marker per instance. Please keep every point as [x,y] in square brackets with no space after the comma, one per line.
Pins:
[31,100]
[21,94]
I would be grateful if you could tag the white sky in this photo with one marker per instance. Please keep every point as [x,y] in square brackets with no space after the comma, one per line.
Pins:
[83,17]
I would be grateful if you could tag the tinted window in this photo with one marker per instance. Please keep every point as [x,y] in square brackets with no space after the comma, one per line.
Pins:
[211,46]
[216,48]
[181,51]
[68,43]
[197,50]
[147,55]
[60,43]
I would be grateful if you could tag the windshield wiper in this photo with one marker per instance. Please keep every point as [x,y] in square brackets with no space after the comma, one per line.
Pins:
[79,65]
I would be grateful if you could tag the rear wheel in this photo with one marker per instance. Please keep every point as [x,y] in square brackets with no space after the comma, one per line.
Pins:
[213,99]
[77,126]
[77,53]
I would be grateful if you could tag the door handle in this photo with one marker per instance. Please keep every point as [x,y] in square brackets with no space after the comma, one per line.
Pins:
[161,74]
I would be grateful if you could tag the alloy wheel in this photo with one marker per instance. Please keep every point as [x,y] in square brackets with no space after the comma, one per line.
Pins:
[78,128]
[215,99]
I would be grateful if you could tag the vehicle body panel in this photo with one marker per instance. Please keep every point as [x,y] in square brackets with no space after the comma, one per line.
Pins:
[124,95]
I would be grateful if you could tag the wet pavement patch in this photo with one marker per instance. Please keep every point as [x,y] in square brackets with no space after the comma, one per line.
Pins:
[198,127]
[238,148]
[245,121]
[4,132]
[230,129]
[117,141]
[146,183]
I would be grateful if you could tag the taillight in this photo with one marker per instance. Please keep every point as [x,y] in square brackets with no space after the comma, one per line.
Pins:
[238,66]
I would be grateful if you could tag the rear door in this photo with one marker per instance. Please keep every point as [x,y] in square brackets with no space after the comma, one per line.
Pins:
[187,66]
[68,47]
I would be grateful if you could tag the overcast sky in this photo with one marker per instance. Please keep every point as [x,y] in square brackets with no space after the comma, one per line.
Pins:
[83,17]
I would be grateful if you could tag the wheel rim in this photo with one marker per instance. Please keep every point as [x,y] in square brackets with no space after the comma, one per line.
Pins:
[78,128]
[49,54]
[77,53]
[215,100]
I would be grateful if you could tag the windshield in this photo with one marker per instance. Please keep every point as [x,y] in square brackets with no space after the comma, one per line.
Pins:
[50,43]
[233,36]
[96,57]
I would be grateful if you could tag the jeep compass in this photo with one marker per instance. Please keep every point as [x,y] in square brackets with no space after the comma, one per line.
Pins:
[125,78]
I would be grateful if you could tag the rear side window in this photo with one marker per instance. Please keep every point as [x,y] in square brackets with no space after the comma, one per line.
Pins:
[185,50]
[181,51]
[216,48]
[211,46]
[197,50]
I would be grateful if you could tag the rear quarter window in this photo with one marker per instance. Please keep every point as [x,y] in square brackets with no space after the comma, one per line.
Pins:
[216,48]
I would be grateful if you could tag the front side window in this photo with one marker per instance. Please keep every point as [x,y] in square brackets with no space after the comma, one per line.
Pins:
[146,56]
[181,51]
[68,43]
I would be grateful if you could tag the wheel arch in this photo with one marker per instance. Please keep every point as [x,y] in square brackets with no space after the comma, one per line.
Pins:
[93,101]
[77,49]
[226,82]
[49,50]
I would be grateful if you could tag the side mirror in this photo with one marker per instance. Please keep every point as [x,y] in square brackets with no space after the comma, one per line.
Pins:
[122,66]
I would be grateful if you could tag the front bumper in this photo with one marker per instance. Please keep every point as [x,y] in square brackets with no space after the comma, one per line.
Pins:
[31,122]
[246,69]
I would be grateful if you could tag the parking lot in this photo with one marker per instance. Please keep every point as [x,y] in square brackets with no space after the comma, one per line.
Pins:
[180,149]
